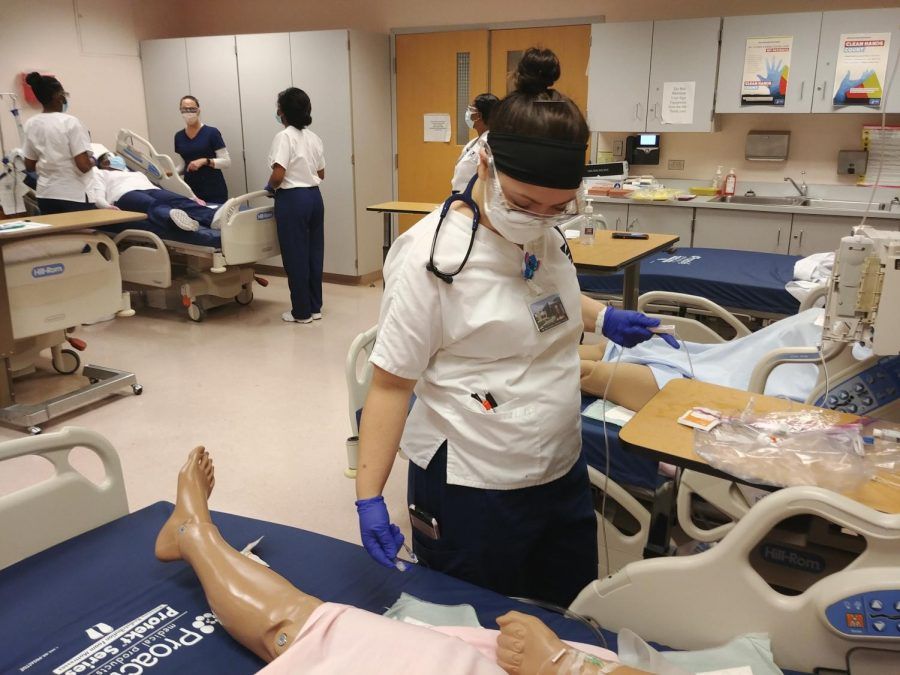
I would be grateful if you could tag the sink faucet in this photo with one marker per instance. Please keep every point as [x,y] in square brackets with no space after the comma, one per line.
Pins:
[802,188]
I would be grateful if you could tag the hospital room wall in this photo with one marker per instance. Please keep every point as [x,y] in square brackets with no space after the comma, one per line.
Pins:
[91,45]
[211,17]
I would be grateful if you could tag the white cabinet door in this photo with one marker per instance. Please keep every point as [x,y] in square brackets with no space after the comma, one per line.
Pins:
[662,220]
[165,72]
[819,234]
[684,51]
[213,76]
[803,27]
[320,64]
[742,230]
[618,74]
[835,24]
[615,215]
[264,69]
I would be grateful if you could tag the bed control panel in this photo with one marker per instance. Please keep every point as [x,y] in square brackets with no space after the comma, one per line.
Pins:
[868,390]
[870,614]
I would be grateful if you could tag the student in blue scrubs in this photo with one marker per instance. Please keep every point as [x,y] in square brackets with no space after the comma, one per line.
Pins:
[203,151]
[297,160]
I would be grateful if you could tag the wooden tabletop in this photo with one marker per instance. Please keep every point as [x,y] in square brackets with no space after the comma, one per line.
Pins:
[610,255]
[654,430]
[74,220]
[403,207]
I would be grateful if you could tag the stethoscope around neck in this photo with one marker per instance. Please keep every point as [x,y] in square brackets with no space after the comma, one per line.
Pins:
[466,198]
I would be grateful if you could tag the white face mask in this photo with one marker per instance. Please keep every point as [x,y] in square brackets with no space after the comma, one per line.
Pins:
[469,121]
[517,225]
[190,118]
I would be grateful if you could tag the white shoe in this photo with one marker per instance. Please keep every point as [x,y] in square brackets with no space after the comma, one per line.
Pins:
[287,316]
[316,316]
[183,220]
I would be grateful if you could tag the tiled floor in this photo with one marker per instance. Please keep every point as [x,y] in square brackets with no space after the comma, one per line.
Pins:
[268,399]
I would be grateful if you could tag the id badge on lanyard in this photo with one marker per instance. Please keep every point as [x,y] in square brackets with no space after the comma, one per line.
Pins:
[545,305]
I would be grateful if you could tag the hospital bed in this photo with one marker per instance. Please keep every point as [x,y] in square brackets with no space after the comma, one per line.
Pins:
[195,270]
[55,284]
[81,584]
[744,282]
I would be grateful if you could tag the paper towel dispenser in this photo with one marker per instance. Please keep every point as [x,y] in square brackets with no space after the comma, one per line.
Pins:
[767,146]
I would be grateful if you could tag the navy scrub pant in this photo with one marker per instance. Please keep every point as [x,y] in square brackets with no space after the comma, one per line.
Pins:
[537,542]
[300,218]
[157,204]
[50,206]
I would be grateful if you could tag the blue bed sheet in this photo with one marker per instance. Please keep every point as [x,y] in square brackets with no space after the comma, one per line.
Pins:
[69,600]
[205,236]
[626,468]
[735,279]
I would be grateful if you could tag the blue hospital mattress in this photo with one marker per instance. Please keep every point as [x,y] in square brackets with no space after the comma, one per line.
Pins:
[205,236]
[735,279]
[626,468]
[107,578]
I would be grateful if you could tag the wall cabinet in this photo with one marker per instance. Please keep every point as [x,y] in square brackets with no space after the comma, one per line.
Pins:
[684,51]
[630,62]
[662,220]
[742,230]
[803,27]
[835,24]
[238,78]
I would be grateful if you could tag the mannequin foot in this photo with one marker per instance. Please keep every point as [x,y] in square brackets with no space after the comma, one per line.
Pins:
[195,483]
[525,645]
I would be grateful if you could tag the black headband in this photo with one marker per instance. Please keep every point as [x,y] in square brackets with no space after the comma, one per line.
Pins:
[538,161]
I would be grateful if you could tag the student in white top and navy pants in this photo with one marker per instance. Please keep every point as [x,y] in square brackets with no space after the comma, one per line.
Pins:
[58,147]
[298,167]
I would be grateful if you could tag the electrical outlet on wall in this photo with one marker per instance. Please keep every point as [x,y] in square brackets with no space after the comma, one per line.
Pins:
[618,148]
[676,165]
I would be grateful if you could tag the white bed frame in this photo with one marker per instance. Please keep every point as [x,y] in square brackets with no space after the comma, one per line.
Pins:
[707,599]
[66,504]
[214,276]
[359,377]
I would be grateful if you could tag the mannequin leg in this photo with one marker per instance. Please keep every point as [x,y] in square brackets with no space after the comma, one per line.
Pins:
[259,608]
[632,387]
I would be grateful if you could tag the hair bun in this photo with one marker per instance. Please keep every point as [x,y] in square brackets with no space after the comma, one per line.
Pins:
[33,79]
[537,71]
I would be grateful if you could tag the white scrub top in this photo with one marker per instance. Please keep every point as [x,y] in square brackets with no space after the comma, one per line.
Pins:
[53,140]
[108,187]
[466,165]
[478,335]
[301,154]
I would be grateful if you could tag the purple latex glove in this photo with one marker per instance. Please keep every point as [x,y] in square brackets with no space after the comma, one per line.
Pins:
[628,328]
[381,538]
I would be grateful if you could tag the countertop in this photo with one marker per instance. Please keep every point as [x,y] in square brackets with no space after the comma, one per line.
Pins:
[706,203]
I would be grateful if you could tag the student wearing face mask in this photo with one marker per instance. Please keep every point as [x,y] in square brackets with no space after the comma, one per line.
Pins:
[481,318]
[478,116]
[203,151]
[58,147]
[297,160]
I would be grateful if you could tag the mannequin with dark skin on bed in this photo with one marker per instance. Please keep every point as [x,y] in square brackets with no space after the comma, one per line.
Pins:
[264,612]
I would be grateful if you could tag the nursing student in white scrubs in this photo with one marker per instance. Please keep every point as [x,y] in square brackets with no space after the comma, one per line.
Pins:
[478,116]
[481,317]
[57,146]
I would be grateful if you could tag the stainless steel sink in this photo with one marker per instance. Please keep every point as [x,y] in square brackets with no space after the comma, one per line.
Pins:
[762,201]
[842,204]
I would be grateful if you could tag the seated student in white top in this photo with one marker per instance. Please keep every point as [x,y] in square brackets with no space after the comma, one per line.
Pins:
[58,147]
[115,186]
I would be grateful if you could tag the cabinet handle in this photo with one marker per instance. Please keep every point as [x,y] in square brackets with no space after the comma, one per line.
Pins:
[800,242]
[637,110]
[630,227]
[656,111]
[778,241]
[802,87]
[618,222]
[824,82]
